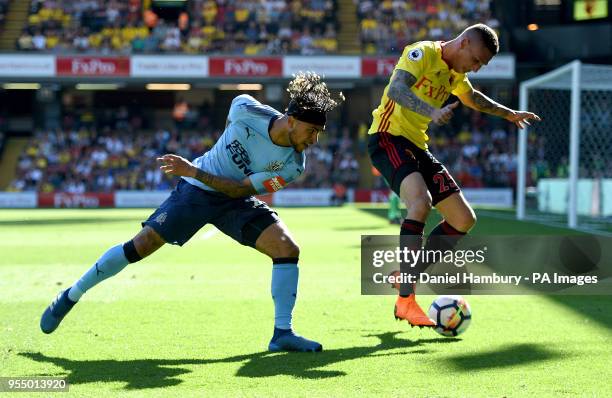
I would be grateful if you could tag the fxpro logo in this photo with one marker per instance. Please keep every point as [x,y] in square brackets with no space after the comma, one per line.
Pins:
[384,66]
[75,200]
[239,156]
[92,66]
[437,93]
[245,67]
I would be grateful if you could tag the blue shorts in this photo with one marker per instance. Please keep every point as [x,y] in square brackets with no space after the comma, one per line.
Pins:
[189,208]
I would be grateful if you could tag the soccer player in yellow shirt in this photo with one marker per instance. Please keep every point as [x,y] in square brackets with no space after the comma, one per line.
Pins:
[424,78]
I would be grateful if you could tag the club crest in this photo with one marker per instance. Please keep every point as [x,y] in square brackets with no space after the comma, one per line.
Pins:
[274,166]
[415,54]
[161,218]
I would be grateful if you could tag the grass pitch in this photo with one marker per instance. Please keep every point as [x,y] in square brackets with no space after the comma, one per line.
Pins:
[195,321]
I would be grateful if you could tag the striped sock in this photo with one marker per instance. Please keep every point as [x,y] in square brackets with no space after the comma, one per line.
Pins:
[411,236]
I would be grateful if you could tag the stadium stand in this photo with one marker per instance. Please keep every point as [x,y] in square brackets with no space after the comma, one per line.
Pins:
[119,153]
[108,150]
[388,26]
[479,152]
[479,157]
[88,160]
[3,9]
[240,27]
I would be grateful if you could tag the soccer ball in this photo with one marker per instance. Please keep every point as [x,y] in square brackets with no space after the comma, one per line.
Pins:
[452,315]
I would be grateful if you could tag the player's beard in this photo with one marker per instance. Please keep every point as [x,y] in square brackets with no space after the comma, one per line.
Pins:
[292,141]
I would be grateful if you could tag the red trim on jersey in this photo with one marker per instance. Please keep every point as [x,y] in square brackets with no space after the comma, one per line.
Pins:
[385,123]
[384,115]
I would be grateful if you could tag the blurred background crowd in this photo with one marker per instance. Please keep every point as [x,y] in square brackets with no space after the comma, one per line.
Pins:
[114,150]
[114,154]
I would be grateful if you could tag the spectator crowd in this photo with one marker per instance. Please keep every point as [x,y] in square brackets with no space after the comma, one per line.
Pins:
[3,11]
[387,26]
[482,156]
[83,157]
[88,160]
[249,27]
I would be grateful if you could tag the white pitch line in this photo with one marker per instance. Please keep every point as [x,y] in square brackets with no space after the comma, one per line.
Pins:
[554,224]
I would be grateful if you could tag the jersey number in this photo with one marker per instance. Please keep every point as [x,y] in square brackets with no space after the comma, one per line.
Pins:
[444,180]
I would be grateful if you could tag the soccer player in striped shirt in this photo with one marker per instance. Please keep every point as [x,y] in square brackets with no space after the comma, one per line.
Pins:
[423,80]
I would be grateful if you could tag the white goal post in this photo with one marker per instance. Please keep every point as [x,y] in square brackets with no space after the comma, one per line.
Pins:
[565,161]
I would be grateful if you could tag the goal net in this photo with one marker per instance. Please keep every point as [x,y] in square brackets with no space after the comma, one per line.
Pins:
[565,161]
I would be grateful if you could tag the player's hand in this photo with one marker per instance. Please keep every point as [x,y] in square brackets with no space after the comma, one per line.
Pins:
[521,119]
[176,165]
[444,115]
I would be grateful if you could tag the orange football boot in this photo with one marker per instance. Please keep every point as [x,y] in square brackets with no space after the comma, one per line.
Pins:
[406,308]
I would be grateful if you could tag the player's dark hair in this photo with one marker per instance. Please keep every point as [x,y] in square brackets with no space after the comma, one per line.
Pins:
[486,35]
[310,98]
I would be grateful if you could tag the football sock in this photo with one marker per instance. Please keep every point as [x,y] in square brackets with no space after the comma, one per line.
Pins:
[445,228]
[74,293]
[111,262]
[411,236]
[285,275]
[443,237]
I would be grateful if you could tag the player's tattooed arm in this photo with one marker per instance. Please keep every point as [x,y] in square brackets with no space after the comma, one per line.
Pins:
[477,100]
[480,102]
[400,92]
[232,188]
[179,166]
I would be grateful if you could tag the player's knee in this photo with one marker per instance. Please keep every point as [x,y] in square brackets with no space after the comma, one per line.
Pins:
[287,248]
[419,207]
[291,250]
[147,241]
[424,203]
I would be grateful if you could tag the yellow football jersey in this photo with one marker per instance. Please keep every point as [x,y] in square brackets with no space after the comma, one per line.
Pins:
[435,83]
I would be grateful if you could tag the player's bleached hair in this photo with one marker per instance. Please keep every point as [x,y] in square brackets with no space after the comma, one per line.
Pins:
[309,93]
[486,35]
